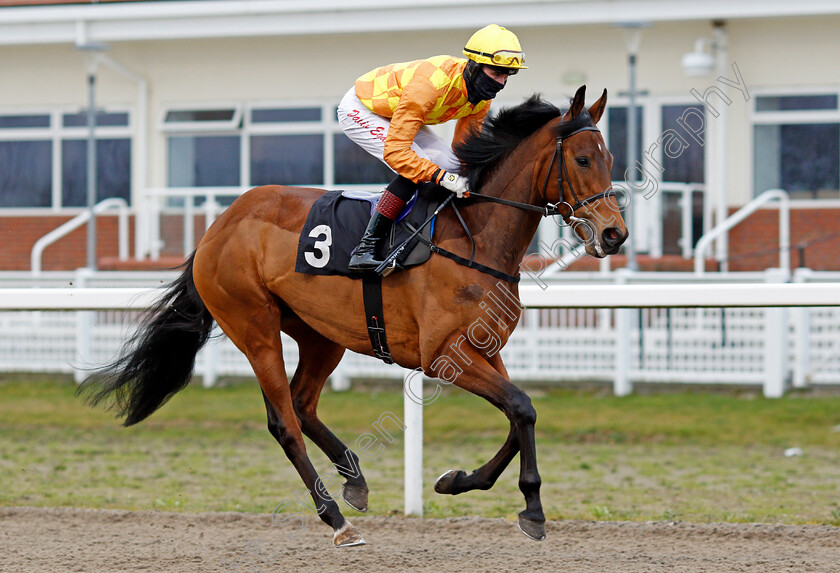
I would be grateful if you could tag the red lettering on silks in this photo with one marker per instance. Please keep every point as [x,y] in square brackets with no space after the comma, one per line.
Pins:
[378,133]
[354,117]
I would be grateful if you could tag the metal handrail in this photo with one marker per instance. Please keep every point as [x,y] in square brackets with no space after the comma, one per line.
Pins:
[784,228]
[78,221]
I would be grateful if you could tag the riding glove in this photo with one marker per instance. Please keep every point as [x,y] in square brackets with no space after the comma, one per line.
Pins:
[458,184]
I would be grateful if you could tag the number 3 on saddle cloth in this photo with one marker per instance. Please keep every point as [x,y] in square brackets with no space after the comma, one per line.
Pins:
[338,219]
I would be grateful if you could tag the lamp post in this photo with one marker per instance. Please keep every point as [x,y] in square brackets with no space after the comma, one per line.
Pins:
[92,49]
[632,39]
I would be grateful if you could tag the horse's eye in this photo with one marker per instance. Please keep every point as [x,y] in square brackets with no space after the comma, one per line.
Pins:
[582,161]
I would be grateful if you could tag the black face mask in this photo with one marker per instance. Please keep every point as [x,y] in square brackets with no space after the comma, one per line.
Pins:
[480,86]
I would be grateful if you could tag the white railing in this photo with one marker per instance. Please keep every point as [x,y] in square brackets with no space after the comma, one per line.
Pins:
[181,202]
[592,335]
[686,203]
[621,297]
[154,203]
[78,221]
[151,208]
[741,214]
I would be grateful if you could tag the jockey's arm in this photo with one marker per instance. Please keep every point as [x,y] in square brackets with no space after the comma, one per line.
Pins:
[417,100]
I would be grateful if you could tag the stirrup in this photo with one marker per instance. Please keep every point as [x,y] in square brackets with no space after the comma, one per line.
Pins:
[391,267]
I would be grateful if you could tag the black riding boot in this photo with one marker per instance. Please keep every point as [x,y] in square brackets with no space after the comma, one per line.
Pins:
[364,258]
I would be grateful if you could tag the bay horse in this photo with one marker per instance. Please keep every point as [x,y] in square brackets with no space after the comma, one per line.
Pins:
[532,158]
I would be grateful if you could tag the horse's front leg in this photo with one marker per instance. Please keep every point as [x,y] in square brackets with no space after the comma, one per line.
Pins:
[483,380]
[454,482]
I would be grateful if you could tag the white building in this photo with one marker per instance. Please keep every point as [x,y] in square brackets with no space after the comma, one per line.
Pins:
[242,92]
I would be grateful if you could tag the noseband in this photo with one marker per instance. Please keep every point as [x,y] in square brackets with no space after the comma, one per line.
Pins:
[552,209]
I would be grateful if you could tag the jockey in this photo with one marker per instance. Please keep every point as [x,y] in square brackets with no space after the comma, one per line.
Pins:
[388,110]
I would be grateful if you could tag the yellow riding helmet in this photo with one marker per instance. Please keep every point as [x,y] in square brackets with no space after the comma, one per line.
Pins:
[496,46]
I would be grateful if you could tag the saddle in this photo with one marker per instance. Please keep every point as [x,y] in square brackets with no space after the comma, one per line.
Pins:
[338,219]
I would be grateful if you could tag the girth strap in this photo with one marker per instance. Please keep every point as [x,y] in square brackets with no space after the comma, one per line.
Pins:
[372,297]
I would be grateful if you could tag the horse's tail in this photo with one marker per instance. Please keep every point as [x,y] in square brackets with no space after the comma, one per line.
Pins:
[158,360]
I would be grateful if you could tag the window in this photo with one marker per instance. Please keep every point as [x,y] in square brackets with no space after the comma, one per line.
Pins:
[617,138]
[201,119]
[265,145]
[204,161]
[25,173]
[285,115]
[796,145]
[687,166]
[354,165]
[113,168]
[33,144]
[290,159]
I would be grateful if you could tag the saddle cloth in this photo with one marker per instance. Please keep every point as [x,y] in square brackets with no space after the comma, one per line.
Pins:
[338,219]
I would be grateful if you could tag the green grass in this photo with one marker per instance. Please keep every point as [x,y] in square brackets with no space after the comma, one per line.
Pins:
[686,456]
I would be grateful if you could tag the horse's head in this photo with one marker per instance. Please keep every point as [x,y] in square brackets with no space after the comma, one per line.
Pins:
[586,200]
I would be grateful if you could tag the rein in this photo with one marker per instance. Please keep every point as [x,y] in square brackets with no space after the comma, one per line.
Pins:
[552,209]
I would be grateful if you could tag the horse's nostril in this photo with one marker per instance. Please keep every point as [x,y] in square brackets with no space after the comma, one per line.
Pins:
[611,236]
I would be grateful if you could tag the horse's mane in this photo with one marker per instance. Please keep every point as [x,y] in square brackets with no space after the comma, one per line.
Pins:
[481,151]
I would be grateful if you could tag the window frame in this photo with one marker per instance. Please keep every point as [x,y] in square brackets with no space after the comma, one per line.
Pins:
[821,116]
[243,127]
[56,133]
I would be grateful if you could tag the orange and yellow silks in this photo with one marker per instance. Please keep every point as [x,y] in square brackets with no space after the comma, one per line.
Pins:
[413,94]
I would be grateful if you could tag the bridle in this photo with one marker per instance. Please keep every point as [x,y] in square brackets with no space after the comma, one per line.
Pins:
[549,210]
[552,209]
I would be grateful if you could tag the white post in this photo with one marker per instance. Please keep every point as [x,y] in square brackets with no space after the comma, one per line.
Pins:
[84,332]
[622,385]
[413,413]
[339,380]
[802,366]
[211,207]
[155,211]
[687,207]
[775,342]
[189,225]
[719,148]
[141,226]
[211,359]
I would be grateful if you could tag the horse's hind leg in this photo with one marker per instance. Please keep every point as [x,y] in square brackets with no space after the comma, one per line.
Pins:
[253,322]
[318,358]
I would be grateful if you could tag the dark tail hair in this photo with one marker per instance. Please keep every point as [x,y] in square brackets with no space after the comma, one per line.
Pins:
[158,360]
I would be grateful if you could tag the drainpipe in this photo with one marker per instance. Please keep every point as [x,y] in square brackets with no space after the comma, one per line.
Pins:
[719,150]
[140,150]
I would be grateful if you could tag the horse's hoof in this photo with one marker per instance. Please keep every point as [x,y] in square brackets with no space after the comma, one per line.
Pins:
[356,496]
[446,482]
[533,529]
[348,536]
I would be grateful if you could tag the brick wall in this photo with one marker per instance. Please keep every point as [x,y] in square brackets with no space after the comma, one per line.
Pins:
[752,245]
[19,234]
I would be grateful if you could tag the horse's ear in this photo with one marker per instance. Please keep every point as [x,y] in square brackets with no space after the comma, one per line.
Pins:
[597,109]
[577,104]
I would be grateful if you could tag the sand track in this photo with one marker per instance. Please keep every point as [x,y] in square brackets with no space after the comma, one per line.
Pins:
[68,539]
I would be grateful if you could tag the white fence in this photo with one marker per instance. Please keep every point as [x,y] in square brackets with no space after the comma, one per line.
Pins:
[676,336]
[589,338]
